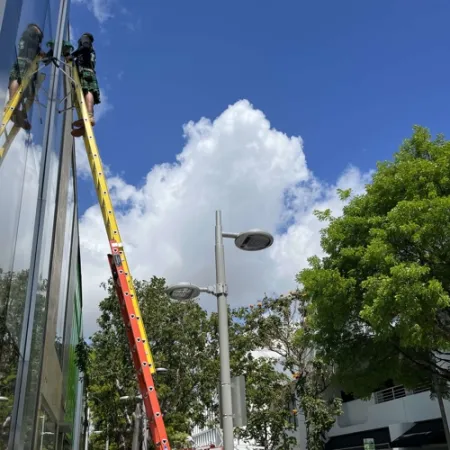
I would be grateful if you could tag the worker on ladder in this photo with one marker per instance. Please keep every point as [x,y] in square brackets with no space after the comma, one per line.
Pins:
[29,48]
[85,59]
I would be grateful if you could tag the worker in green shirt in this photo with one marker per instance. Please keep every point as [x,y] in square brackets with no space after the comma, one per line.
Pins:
[85,58]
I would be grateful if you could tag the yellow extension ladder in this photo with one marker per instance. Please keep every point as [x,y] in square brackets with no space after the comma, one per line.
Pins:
[137,337]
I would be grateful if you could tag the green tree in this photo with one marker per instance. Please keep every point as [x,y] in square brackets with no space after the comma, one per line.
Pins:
[268,399]
[379,298]
[267,388]
[180,341]
[277,325]
[318,404]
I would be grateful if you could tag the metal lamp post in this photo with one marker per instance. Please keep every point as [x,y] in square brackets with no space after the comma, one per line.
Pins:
[252,240]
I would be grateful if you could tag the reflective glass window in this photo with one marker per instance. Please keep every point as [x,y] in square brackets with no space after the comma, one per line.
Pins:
[24,84]
[39,129]
[65,267]
[46,431]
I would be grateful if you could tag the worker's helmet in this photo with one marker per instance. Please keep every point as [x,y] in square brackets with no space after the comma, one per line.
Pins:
[36,30]
[89,35]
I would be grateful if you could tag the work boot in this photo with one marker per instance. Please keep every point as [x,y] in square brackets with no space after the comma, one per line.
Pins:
[78,132]
[80,122]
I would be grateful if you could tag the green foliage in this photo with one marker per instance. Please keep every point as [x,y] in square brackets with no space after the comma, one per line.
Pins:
[344,194]
[268,395]
[278,325]
[184,340]
[178,335]
[380,302]
[82,353]
[323,216]
[320,408]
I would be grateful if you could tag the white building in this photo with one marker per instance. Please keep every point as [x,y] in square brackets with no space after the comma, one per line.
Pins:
[392,418]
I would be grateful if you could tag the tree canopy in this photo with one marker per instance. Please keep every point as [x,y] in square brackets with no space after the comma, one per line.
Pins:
[178,335]
[276,325]
[184,340]
[379,298]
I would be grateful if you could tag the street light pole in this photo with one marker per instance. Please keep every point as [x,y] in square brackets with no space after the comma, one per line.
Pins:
[137,427]
[107,437]
[222,307]
[252,240]
[86,437]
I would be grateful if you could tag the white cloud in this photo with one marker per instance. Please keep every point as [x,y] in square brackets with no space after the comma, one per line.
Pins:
[74,35]
[255,174]
[19,174]
[19,178]
[133,26]
[102,9]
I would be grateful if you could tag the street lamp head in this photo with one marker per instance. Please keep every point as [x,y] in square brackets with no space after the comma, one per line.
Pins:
[183,291]
[254,240]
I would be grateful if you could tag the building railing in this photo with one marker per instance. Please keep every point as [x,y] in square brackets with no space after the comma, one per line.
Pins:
[396,392]
[423,388]
[386,395]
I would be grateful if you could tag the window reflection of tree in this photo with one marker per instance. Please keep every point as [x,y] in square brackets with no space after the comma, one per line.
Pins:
[13,288]
[46,439]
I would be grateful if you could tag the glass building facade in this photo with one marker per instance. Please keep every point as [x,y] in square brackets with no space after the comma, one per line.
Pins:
[41,392]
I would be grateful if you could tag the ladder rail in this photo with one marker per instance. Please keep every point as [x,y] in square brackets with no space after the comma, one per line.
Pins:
[14,131]
[145,379]
[14,101]
[123,281]
[104,199]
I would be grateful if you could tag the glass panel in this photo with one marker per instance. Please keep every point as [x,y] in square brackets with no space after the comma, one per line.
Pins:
[63,293]
[20,160]
[46,432]
[8,33]
[72,338]
[28,421]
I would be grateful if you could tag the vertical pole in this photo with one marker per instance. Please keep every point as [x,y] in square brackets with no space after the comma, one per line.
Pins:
[137,427]
[144,428]
[107,437]
[442,409]
[224,346]
[42,432]
[86,436]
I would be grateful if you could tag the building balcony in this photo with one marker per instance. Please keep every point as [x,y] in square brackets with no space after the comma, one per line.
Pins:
[396,408]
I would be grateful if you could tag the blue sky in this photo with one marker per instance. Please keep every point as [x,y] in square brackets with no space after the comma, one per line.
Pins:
[350,77]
